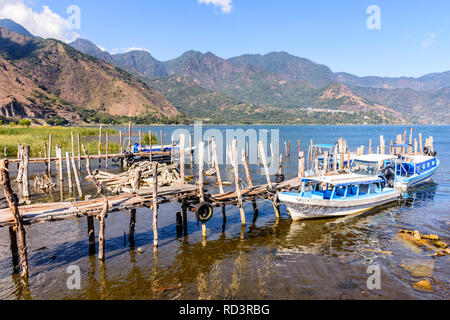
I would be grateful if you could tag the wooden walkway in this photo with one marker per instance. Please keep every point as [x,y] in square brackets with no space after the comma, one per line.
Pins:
[47,212]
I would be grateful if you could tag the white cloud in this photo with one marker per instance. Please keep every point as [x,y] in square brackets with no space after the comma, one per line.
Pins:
[136,49]
[429,39]
[225,5]
[45,24]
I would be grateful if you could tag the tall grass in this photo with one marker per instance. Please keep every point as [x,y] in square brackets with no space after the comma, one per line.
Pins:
[36,137]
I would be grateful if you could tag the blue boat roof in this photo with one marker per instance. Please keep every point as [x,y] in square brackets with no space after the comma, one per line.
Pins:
[343,182]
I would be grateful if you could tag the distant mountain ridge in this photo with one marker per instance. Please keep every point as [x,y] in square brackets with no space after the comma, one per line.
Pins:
[204,86]
[51,73]
[14,27]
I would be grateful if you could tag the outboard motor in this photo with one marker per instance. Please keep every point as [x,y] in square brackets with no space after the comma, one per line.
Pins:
[388,175]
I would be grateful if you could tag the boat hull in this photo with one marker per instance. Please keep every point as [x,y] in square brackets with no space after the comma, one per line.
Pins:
[304,208]
[416,180]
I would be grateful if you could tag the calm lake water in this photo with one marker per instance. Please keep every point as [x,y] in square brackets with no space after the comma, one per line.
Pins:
[268,259]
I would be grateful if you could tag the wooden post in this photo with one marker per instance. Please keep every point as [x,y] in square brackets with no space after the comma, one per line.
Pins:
[264,160]
[325,163]
[100,147]
[60,165]
[431,141]
[11,198]
[237,182]
[411,135]
[335,159]
[107,150]
[301,164]
[415,146]
[140,141]
[311,157]
[150,144]
[72,143]
[420,143]
[218,176]
[69,173]
[162,142]
[249,178]
[45,156]
[155,204]
[49,155]
[91,234]
[179,224]
[19,164]
[79,151]
[25,162]
[182,168]
[136,186]
[14,249]
[129,137]
[316,165]
[103,214]
[289,148]
[370,146]
[201,163]
[191,151]
[77,179]
[382,145]
[348,159]
[341,162]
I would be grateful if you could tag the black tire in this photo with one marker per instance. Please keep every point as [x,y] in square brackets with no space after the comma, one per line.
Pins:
[204,212]
[425,150]
[130,159]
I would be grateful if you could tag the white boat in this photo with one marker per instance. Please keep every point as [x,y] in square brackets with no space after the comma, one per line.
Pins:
[338,195]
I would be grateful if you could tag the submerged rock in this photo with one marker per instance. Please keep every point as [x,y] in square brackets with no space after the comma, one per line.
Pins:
[423,285]
[419,268]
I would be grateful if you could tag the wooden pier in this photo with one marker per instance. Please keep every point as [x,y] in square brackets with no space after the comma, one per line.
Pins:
[191,197]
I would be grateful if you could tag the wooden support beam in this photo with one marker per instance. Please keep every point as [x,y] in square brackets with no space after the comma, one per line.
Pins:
[11,198]
[150,144]
[77,179]
[60,166]
[100,147]
[129,137]
[107,150]
[264,160]
[69,173]
[14,249]
[237,182]
[136,186]
[301,164]
[102,216]
[161,139]
[25,182]
[218,176]
[179,224]
[325,163]
[91,234]
[201,163]
[155,204]
[420,143]
[182,166]
[249,178]
[49,155]
[79,151]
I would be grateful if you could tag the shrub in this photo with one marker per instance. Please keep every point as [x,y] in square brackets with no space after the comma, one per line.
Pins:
[12,124]
[25,122]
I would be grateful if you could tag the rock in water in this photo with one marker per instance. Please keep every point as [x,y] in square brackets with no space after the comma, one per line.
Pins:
[423,285]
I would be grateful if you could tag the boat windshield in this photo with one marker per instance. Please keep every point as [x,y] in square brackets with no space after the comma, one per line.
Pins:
[365,167]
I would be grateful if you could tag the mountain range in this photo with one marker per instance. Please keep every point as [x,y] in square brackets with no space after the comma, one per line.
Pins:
[82,79]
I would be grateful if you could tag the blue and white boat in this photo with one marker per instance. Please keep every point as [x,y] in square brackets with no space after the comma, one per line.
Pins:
[337,195]
[411,171]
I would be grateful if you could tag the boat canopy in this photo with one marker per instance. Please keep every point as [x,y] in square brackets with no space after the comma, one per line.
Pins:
[349,179]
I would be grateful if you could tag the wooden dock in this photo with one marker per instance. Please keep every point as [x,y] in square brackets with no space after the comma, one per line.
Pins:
[192,197]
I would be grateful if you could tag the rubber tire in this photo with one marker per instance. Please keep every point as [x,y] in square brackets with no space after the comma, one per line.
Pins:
[204,212]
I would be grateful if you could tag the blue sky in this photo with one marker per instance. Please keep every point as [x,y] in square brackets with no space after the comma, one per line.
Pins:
[414,38]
